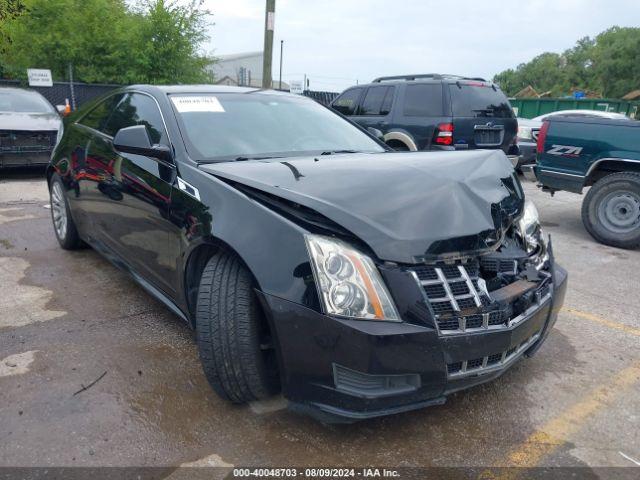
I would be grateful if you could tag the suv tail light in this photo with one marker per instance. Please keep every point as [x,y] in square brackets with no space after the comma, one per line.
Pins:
[444,134]
[542,137]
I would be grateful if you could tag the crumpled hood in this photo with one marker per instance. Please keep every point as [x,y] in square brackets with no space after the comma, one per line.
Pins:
[29,121]
[407,207]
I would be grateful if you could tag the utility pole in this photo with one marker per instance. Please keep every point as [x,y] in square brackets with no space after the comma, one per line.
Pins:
[267,53]
[280,80]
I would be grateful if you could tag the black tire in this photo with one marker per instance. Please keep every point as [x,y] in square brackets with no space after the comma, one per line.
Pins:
[398,146]
[63,225]
[611,210]
[233,336]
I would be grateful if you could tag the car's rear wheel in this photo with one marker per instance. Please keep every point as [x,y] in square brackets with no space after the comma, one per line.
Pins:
[611,210]
[234,341]
[398,146]
[63,224]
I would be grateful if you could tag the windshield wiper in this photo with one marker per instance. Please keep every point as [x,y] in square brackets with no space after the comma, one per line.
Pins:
[243,159]
[331,152]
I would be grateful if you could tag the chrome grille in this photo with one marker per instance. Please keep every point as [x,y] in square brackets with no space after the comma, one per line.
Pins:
[449,288]
[26,141]
[461,306]
[484,365]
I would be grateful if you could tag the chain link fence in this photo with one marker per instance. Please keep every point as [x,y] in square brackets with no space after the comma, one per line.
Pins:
[324,98]
[60,92]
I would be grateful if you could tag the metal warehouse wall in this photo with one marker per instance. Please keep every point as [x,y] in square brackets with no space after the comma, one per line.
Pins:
[532,107]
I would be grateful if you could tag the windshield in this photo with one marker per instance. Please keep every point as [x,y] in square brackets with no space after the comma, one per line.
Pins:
[23,102]
[227,126]
[479,100]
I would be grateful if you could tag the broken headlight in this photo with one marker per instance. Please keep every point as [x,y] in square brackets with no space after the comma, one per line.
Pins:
[348,282]
[529,228]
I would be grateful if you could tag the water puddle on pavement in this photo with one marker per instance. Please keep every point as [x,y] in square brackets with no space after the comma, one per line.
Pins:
[13,215]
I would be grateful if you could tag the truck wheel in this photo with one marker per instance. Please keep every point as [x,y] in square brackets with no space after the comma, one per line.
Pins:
[63,224]
[611,210]
[233,336]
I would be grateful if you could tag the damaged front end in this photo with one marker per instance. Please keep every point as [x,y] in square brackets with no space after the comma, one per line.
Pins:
[417,295]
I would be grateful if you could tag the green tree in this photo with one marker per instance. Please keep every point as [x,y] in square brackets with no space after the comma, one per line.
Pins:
[167,47]
[607,64]
[107,41]
[9,10]
[616,61]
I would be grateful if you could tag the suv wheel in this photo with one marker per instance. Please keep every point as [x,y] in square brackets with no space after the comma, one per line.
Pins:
[234,341]
[63,224]
[611,210]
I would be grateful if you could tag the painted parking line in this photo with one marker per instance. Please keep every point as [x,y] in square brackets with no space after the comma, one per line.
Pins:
[603,321]
[559,429]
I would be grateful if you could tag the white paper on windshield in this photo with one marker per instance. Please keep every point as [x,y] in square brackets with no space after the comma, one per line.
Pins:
[190,103]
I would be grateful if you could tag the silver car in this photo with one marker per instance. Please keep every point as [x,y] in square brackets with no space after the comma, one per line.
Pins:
[29,127]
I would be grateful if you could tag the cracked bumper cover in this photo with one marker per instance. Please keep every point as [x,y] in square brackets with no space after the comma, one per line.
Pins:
[311,345]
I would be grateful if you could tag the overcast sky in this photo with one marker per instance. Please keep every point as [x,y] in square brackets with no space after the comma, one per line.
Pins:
[339,42]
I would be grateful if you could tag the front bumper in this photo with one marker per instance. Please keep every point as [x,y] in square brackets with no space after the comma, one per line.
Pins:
[24,159]
[527,153]
[346,370]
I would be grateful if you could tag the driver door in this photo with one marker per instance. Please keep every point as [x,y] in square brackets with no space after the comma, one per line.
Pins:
[136,195]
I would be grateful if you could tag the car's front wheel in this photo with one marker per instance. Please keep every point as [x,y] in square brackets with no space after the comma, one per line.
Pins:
[234,342]
[611,210]
[63,224]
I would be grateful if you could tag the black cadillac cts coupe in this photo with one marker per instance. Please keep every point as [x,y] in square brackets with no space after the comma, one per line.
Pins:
[307,256]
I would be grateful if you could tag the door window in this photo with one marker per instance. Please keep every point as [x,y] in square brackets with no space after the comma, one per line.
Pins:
[372,103]
[387,103]
[97,117]
[347,103]
[423,100]
[138,109]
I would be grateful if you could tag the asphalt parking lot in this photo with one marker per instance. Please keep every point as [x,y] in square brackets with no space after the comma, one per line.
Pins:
[68,319]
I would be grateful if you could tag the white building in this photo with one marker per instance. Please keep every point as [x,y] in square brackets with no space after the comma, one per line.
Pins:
[244,69]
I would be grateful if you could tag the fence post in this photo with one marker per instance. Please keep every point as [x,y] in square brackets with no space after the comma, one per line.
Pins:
[73,94]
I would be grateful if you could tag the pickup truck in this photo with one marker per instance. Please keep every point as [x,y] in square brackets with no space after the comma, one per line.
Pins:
[574,153]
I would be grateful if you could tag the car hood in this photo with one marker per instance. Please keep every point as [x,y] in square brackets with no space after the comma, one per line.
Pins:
[407,207]
[29,121]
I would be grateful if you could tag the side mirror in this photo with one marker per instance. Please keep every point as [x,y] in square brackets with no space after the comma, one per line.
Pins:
[376,133]
[136,140]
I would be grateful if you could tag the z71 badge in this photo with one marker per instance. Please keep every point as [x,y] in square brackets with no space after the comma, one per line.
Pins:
[565,150]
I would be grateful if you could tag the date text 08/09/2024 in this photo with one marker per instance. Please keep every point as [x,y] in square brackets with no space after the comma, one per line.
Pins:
[315,472]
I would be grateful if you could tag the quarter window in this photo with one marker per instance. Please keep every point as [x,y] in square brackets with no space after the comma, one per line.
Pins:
[347,103]
[137,109]
[424,100]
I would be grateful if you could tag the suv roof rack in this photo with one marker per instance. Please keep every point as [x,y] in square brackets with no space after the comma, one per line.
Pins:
[434,76]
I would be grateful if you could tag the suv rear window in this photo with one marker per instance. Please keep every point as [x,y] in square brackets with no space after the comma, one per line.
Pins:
[478,101]
[423,100]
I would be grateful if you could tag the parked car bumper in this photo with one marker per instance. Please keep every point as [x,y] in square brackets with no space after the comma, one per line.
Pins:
[527,153]
[346,370]
[24,159]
